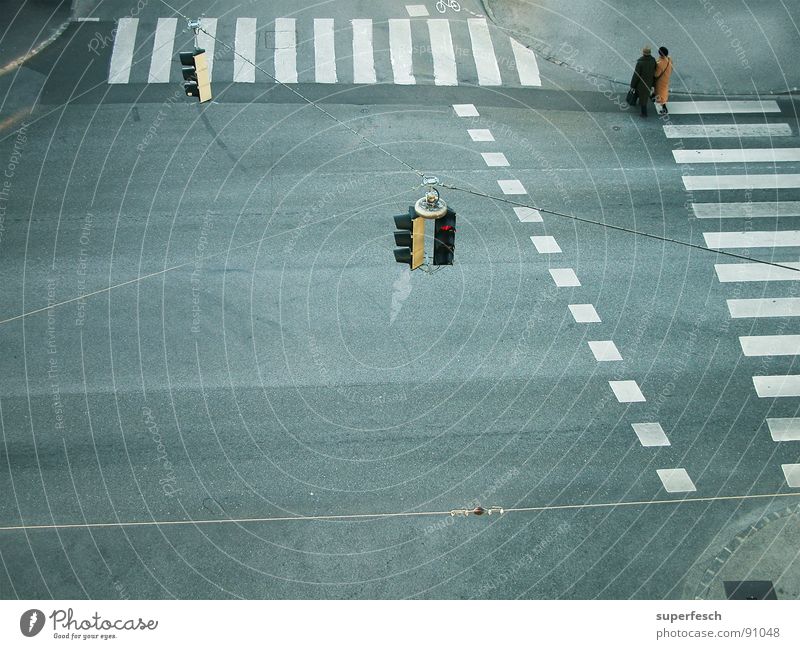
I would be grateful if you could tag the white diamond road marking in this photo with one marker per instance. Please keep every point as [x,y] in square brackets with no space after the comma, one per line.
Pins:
[244,44]
[495,159]
[765,307]
[792,473]
[285,50]
[527,67]
[564,277]
[627,391]
[584,313]
[742,181]
[769,209]
[161,61]
[605,350]
[727,130]
[735,155]
[480,135]
[528,215]
[784,429]
[783,345]
[777,386]
[757,272]
[363,60]
[676,480]
[699,107]
[466,110]
[483,53]
[324,51]
[205,41]
[511,187]
[400,51]
[753,239]
[415,11]
[122,54]
[545,245]
[444,58]
[651,434]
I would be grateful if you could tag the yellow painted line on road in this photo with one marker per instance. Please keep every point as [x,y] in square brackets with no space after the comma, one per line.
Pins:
[22,60]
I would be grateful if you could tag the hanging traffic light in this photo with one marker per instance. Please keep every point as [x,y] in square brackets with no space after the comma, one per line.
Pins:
[196,82]
[444,239]
[410,236]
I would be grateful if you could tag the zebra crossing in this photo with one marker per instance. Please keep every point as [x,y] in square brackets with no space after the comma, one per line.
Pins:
[402,51]
[768,197]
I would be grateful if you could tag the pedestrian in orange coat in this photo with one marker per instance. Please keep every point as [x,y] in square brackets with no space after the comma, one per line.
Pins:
[662,75]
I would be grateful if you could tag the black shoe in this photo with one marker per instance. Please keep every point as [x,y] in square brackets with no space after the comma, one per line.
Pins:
[665,111]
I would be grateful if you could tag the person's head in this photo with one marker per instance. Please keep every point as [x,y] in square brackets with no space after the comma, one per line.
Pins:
[646,50]
[663,51]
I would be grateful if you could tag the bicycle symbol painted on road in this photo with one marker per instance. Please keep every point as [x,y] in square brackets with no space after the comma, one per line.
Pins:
[444,5]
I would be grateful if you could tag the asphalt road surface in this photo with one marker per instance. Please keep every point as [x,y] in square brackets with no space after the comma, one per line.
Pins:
[216,382]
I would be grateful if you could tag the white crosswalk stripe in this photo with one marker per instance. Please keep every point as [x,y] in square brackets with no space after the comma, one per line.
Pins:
[483,52]
[758,272]
[746,210]
[765,307]
[711,107]
[122,52]
[401,50]
[324,51]
[673,131]
[285,50]
[742,181]
[784,429]
[245,46]
[781,345]
[363,55]
[526,63]
[752,239]
[444,57]
[161,60]
[777,386]
[721,156]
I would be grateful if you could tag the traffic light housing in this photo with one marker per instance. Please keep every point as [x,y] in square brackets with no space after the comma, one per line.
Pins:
[410,236]
[444,239]
[196,82]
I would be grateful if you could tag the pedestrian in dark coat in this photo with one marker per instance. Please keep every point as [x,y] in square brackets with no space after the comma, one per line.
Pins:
[644,78]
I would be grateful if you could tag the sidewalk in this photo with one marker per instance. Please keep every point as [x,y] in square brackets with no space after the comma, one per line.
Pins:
[720,47]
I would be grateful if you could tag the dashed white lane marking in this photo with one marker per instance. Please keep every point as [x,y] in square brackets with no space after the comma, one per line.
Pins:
[546,245]
[699,107]
[415,11]
[792,474]
[444,58]
[767,209]
[206,42]
[122,54]
[651,434]
[325,51]
[480,135]
[244,45]
[723,156]
[676,480]
[285,50]
[784,429]
[528,215]
[779,345]
[605,350]
[88,19]
[765,307]
[483,53]
[495,159]
[400,51]
[564,277]
[757,272]
[742,181]
[754,239]
[627,391]
[511,187]
[466,110]
[673,131]
[527,67]
[161,60]
[363,56]
[777,385]
[584,313]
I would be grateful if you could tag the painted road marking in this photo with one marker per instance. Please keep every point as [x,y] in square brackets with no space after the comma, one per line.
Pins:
[244,45]
[767,209]
[753,239]
[495,159]
[324,51]
[757,272]
[546,245]
[466,110]
[400,51]
[792,474]
[285,50]
[727,130]
[627,391]
[584,313]
[651,434]
[480,135]
[783,345]
[416,11]
[363,58]
[161,60]
[676,480]
[528,215]
[765,307]
[527,67]
[564,277]
[122,54]
[605,350]
[699,107]
[483,53]
[206,42]
[511,187]
[777,385]
[444,58]
[721,156]
[784,429]
[742,181]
